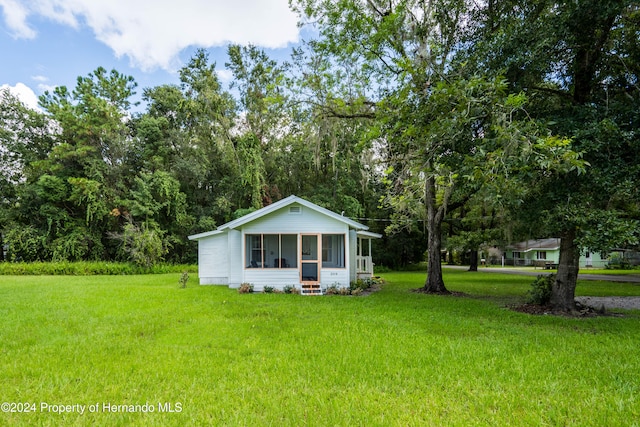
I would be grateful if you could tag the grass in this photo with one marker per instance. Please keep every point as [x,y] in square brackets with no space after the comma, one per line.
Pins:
[392,358]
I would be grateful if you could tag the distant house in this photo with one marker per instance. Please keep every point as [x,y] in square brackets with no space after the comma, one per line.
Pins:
[292,242]
[546,253]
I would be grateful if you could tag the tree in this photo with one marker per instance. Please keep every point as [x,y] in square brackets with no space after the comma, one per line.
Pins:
[24,140]
[580,64]
[446,131]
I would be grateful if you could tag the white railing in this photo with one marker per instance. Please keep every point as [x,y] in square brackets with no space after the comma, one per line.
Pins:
[364,264]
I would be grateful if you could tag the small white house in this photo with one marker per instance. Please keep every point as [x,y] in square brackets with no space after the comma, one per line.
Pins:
[292,242]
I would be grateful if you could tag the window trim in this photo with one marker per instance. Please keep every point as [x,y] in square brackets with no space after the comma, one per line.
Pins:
[248,251]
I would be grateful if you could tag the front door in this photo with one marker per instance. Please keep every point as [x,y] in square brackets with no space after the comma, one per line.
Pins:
[309,258]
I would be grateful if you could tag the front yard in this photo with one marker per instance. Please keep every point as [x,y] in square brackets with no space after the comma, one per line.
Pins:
[210,356]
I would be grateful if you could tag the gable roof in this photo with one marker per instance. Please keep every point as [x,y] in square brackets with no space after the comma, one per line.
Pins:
[274,207]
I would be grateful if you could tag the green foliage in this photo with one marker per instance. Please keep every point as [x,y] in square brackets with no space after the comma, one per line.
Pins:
[88,268]
[361,284]
[618,262]
[184,278]
[143,245]
[541,290]
[77,244]
[291,289]
[25,244]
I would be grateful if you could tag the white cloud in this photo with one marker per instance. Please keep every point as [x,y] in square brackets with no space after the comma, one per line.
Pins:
[24,93]
[153,32]
[15,16]
[225,75]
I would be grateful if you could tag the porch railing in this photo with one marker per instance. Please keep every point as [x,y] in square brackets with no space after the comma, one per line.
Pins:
[364,265]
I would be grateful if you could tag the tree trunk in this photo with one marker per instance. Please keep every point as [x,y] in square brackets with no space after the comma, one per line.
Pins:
[564,287]
[434,283]
[473,265]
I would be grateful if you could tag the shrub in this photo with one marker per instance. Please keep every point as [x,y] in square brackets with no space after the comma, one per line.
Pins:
[291,289]
[540,291]
[344,291]
[25,244]
[89,268]
[268,289]
[184,278]
[331,290]
[617,262]
[361,284]
[245,288]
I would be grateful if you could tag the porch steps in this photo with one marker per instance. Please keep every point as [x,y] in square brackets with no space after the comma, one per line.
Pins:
[311,289]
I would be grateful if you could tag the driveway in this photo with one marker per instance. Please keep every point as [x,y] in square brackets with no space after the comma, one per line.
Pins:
[626,278]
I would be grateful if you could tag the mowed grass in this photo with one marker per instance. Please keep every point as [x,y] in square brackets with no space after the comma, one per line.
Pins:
[394,358]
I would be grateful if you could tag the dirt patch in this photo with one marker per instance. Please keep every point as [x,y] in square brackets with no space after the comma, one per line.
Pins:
[581,310]
[585,307]
[375,287]
[625,303]
[447,293]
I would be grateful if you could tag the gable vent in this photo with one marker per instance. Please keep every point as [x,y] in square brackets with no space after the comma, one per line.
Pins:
[295,209]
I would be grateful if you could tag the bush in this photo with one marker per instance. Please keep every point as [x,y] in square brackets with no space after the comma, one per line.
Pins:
[268,289]
[331,290]
[245,288]
[25,244]
[618,262]
[88,268]
[291,289]
[382,269]
[361,284]
[184,278]
[540,291]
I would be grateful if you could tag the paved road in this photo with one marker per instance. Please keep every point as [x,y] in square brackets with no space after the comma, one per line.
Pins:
[628,278]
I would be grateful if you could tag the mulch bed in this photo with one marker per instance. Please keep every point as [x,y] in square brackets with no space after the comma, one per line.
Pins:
[581,311]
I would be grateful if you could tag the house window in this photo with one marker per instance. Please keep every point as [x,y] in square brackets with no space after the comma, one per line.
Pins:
[541,255]
[517,255]
[333,251]
[271,251]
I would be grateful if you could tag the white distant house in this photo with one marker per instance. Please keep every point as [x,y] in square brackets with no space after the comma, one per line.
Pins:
[292,242]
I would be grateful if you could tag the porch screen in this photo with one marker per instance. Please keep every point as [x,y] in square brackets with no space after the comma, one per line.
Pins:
[271,251]
[333,251]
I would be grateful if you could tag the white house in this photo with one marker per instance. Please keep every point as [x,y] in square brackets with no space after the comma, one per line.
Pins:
[292,242]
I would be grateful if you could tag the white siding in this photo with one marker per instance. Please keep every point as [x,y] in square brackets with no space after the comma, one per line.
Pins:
[307,221]
[334,276]
[277,278]
[235,257]
[353,248]
[212,260]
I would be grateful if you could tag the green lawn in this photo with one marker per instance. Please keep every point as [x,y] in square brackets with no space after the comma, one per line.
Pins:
[391,358]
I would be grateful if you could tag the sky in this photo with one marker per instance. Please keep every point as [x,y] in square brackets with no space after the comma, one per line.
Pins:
[49,43]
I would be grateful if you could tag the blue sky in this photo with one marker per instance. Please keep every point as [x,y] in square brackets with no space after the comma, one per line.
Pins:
[48,43]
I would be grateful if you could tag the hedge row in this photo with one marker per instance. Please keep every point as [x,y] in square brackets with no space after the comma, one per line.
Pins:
[89,268]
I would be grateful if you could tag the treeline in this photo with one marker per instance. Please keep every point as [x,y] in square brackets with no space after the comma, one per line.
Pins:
[86,178]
